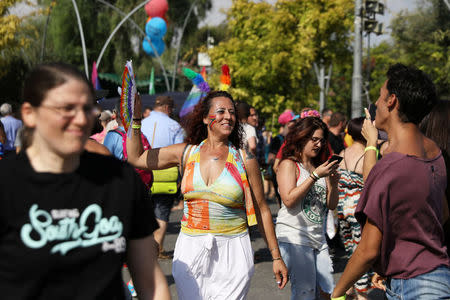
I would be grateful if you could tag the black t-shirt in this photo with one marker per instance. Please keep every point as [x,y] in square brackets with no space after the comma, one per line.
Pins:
[64,236]
[336,143]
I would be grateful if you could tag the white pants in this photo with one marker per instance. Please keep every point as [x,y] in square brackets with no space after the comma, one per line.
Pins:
[212,267]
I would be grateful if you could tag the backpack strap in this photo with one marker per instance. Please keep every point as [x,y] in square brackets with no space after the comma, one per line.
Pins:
[124,142]
[145,144]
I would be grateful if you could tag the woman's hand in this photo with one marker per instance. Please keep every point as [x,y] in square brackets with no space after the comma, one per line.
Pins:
[281,273]
[378,282]
[327,168]
[369,131]
[334,178]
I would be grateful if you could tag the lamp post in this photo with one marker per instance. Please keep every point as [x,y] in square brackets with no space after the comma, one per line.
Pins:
[371,8]
[364,21]
[357,77]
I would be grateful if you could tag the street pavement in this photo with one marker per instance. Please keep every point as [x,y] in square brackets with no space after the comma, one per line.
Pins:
[263,285]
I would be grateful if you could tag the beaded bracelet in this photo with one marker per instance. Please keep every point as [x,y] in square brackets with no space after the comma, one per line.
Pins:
[315,175]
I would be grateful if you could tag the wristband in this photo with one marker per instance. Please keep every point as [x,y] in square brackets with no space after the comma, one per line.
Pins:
[136,126]
[276,258]
[312,177]
[315,175]
[137,119]
[372,148]
[339,298]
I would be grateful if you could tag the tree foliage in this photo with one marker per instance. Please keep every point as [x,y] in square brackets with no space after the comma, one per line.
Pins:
[271,49]
[12,37]
[421,38]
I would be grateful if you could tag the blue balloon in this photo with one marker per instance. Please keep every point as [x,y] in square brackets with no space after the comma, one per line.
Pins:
[158,44]
[156,28]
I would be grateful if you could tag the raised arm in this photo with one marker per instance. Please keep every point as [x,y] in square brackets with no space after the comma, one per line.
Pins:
[153,159]
[370,133]
[264,217]
[362,259]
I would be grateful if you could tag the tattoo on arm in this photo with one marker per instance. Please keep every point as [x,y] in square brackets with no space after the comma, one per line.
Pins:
[249,154]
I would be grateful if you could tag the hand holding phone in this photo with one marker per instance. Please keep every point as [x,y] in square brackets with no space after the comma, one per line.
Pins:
[372,111]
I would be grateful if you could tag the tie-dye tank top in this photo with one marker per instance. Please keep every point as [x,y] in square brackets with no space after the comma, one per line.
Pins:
[218,208]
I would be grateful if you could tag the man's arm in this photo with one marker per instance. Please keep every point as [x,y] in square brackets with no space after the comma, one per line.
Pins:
[362,259]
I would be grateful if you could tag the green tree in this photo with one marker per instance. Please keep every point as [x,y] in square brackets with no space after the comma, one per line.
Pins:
[271,49]
[421,38]
[12,41]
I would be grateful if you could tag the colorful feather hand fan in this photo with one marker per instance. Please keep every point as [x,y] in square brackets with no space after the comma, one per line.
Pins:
[225,79]
[128,93]
[199,90]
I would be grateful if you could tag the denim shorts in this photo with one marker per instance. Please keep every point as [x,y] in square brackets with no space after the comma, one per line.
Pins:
[162,205]
[429,286]
[308,268]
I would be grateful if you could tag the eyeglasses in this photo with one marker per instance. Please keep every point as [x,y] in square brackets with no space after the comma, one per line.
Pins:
[70,111]
[316,139]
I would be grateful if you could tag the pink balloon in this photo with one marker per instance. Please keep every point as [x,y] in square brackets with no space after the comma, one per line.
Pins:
[156,8]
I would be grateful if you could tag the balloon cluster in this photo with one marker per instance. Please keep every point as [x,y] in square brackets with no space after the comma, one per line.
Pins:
[156,27]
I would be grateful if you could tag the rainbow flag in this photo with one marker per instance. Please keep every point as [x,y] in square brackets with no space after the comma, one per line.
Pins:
[199,89]
[192,99]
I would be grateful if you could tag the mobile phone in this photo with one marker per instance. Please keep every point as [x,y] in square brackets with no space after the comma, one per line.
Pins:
[382,135]
[373,111]
[336,157]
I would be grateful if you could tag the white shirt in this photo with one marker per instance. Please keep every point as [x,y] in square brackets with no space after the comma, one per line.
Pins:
[249,131]
[304,223]
[161,131]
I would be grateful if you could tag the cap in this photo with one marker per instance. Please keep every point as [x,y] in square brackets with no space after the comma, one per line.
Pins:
[164,100]
[286,117]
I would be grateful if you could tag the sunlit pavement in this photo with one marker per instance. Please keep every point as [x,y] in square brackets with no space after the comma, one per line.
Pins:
[263,285]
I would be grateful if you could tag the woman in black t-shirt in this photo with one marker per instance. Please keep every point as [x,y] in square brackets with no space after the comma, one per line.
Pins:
[68,218]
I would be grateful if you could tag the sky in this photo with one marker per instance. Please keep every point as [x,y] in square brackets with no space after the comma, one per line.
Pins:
[392,7]
[217,15]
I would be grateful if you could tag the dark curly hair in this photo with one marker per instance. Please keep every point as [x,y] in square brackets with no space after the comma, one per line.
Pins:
[299,134]
[197,131]
[415,92]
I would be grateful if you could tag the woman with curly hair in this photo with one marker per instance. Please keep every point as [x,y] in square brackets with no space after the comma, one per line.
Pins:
[307,186]
[222,191]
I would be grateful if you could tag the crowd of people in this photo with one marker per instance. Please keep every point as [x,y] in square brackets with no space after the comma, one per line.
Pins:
[81,198]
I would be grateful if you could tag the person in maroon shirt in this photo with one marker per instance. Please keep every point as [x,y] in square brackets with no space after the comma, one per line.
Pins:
[402,205]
